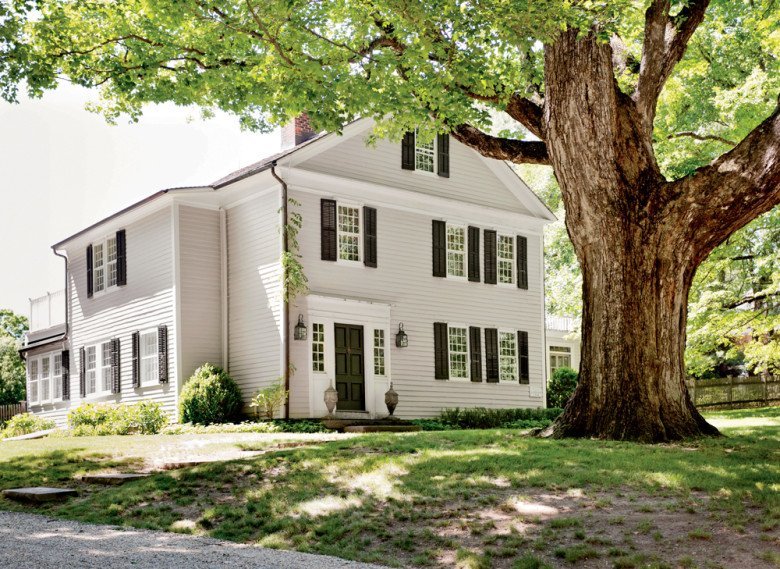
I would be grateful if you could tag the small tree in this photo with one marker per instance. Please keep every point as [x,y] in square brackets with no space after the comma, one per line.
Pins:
[210,396]
[12,372]
[269,400]
[561,386]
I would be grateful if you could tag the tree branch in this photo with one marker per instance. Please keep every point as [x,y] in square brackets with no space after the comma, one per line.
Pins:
[517,151]
[702,137]
[527,113]
[666,39]
[749,299]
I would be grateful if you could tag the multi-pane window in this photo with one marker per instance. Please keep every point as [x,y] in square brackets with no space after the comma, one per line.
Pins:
[32,371]
[56,380]
[349,233]
[456,251]
[45,379]
[379,352]
[459,353]
[91,369]
[318,347]
[105,366]
[560,356]
[507,356]
[104,269]
[423,154]
[148,356]
[506,256]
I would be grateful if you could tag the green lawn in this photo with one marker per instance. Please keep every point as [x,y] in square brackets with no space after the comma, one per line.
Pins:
[472,499]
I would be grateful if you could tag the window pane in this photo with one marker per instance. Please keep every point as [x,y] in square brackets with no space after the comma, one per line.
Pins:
[45,379]
[148,352]
[318,347]
[458,344]
[349,233]
[379,352]
[456,251]
[423,155]
[97,267]
[33,372]
[91,371]
[507,356]
[56,386]
[506,255]
[111,262]
[105,367]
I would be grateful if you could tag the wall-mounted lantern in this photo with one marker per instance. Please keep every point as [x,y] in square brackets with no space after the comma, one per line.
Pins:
[401,339]
[300,329]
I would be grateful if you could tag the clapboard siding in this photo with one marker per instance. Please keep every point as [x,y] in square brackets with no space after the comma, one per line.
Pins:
[200,288]
[254,306]
[404,280]
[470,179]
[146,302]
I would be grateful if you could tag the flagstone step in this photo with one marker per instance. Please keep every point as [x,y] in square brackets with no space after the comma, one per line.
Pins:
[113,479]
[29,436]
[39,494]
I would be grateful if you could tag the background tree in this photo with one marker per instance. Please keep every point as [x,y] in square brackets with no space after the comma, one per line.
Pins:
[586,79]
[12,369]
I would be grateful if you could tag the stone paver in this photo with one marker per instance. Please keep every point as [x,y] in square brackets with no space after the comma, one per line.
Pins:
[40,494]
[113,479]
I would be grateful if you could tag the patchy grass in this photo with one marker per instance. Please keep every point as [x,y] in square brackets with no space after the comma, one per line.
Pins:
[472,499]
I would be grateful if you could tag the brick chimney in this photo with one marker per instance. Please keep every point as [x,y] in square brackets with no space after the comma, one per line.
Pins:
[297,131]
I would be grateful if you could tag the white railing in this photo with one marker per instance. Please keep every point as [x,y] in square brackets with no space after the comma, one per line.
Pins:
[47,311]
[562,323]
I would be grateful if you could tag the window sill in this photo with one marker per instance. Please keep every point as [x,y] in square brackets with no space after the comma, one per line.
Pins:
[345,263]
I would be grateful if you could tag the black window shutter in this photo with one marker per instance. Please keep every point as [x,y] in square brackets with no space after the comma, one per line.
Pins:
[439,248]
[82,372]
[441,351]
[443,152]
[490,257]
[136,349]
[121,258]
[491,355]
[162,353]
[407,151]
[474,254]
[116,385]
[522,262]
[89,271]
[522,349]
[328,229]
[65,375]
[475,354]
[369,236]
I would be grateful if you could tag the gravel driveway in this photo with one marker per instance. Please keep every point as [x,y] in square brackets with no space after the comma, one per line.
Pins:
[40,542]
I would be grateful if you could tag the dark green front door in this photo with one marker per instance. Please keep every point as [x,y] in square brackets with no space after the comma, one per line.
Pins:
[350,380]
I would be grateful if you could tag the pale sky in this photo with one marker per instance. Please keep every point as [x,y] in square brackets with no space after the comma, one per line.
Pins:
[63,168]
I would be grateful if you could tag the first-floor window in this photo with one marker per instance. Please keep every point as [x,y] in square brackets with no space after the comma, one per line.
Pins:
[507,356]
[91,369]
[459,353]
[32,371]
[105,366]
[379,352]
[45,379]
[148,356]
[318,347]
[560,356]
[56,380]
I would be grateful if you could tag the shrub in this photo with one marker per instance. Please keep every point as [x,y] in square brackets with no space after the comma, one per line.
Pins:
[210,396]
[96,419]
[270,399]
[274,426]
[561,386]
[482,418]
[25,424]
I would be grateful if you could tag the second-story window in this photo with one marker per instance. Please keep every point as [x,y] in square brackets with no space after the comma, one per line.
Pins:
[456,251]
[424,153]
[106,264]
[506,259]
[349,233]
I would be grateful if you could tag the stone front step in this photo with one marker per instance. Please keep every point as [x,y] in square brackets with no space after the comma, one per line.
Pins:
[113,479]
[39,494]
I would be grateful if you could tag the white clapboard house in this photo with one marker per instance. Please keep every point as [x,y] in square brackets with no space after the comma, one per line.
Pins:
[424,264]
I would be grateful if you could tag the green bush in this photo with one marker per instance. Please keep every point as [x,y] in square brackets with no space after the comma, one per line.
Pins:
[432,425]
[275,426]
[560,387]
[25,424]
[210,396]
[482,418]
[97,419]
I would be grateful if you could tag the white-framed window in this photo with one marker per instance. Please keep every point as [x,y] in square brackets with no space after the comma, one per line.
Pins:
[105,367]
[456,251]
[458,339]
[318,347]
[349,232]
[424,154]
[507,356]
[148,357]
[506,259]
[45,385]
[379,352]
[32,381]
[90,367]
[560,356]
[104,269]
[56,378]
